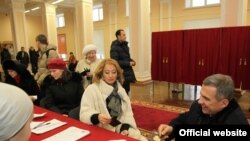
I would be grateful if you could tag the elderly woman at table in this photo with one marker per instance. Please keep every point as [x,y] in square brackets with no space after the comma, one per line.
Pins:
[106,104]
[16,110]
[62,88]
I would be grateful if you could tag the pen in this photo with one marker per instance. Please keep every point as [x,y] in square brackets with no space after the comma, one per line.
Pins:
[41,125]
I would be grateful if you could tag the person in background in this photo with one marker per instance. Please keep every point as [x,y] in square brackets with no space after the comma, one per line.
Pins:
[1,73]
[106,104]
[11,51]
[34,55]
[17,74]
[72,61]
[16,114]
[46,53]
[5,54]
[63,88]
[120,52]
[87,65]
[23,57]
[216,106]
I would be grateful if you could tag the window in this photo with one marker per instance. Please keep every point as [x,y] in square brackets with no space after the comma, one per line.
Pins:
[97,13]
[60,22]
[200,3]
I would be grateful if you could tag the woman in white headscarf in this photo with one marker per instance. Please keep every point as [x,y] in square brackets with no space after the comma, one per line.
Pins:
[88,64]
[16,110]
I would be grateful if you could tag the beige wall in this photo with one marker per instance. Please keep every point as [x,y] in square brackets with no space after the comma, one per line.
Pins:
[68,30]
[155,15]
[5,28]
[162,19]
[248,12]
[34,27]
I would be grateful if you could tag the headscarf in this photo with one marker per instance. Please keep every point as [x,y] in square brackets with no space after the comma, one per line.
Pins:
[89,48]
[114,102]
[15,108]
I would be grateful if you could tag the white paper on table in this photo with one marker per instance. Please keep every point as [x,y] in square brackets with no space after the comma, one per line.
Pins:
[39,115]
[47,126]
[69,134]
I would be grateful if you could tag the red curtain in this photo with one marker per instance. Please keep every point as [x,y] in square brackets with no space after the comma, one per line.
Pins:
[189,56]
[172,53]
[201,54]
[167,56]
[235,46]
[156,65]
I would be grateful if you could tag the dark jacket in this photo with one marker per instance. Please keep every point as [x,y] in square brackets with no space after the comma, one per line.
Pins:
[34,55]
[27,81]
[64,94]
[120,52]
[231,115]
[5,55]
[23,59]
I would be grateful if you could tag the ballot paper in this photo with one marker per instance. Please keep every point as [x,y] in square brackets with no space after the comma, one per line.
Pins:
[39,115]
[70,134]
[47,126]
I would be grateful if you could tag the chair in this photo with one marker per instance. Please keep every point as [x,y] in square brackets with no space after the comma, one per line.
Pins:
[75,113]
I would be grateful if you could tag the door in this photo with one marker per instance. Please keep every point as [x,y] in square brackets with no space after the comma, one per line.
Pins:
[62,46]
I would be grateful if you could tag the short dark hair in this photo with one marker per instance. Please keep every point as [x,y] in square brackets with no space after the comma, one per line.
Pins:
[223,83]
[118,32]
[42,39]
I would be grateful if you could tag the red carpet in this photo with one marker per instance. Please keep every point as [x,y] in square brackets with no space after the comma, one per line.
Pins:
[150,118]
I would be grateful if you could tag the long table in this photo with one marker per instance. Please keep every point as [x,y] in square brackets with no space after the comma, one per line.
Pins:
[96,133]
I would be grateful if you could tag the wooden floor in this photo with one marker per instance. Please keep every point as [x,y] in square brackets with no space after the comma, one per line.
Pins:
[161,92]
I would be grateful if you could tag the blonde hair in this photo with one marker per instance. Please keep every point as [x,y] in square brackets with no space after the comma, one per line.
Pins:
[99,70]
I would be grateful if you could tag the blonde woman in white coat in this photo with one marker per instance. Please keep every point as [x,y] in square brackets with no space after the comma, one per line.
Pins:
[106,104]
[87,65]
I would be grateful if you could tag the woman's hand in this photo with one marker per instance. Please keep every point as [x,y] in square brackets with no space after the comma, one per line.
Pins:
[104,119]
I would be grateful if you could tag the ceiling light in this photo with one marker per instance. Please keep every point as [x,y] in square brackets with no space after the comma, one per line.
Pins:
[33,9]
[57,1]
[27,11]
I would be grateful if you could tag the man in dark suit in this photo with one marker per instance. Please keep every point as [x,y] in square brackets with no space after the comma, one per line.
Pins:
[120,52]
[23,57]
[34,55]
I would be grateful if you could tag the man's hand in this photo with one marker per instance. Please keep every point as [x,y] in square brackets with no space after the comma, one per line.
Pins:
[164,130]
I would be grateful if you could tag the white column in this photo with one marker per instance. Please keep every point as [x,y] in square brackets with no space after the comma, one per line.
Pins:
[18,24]
[233,12]
[140,37]
[112,24]
[84,23]
[49,22]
